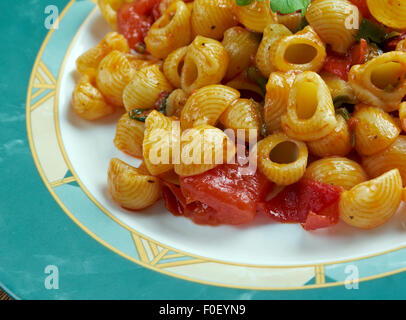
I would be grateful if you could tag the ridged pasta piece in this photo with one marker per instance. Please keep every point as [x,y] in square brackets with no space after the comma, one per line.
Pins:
[210,18]
[87,100]
[281,159]
[241,45]
[203,148]
[337,171]
[402,115]
[272,34]
[175,103]
[401,46]
[255,16]
[160,139]
[113,74]
[130,136]
[336,22]
[372,203]
[336,143]
[339,88]
[393,157]
[109,10]
[171,177]
[145,87]
[247,88]
[292,21]
[206,105]
[276,99]
[171,31]
[91,58]
[303,51]
[404,195]
[375,130]
[381,81]
[206,63]
[391,13]
[310,113]
[242,114]
[130,188]
[173,66]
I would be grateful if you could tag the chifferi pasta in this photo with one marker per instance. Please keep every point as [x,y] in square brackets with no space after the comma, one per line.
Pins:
[294,109]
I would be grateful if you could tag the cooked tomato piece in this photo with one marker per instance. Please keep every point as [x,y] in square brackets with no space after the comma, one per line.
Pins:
[393,43]
[363,7]
[340,65]
[134,20]
[229,190]
[300,202]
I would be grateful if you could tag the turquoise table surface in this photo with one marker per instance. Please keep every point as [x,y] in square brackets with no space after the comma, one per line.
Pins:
[35,233]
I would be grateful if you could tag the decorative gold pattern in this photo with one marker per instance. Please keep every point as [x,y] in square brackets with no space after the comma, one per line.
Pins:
[143,244]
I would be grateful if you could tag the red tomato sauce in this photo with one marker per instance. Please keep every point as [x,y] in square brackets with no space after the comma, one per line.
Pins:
[134,20]
[311,203]
[341,65]
[223,195]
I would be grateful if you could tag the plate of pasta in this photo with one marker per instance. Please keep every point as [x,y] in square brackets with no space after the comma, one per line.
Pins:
[238,143]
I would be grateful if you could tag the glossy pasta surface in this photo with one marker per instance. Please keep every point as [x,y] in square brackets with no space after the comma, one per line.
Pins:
[254,97]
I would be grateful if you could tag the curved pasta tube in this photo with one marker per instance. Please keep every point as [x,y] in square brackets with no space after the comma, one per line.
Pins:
[336,143]
[339,89]
[375,130]
[130,187]
[247,88]
[391,13]
[310,113]
[129,136]
[160,143]
[393,157]
[255,16]
[242,114]
[335,21]
[175,103]
[210,18]
[87,100]
[145,87]
[291,21]
[115,71]
[171,31]
[402,115]
[91,58]
[241,45]
[109,10]
[372,203]
[206,62]
[337,171]
[173,66]
[303,51]
[263,59]
[381,81]
[206,105]
[401,46]
[281,159]
[203,148]
[276,99]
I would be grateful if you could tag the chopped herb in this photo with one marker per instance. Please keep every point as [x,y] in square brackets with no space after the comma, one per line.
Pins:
[375,33]
[340,100]
[344,113]
[253,74]
[243,3]
[139,114]
[285,7]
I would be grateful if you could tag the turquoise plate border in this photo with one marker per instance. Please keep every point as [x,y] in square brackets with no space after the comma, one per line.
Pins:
[35,233]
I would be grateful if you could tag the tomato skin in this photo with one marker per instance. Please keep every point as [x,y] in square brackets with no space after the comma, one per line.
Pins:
[134,20]
[341,65]
[312,203]
[233,194]
[363,7]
